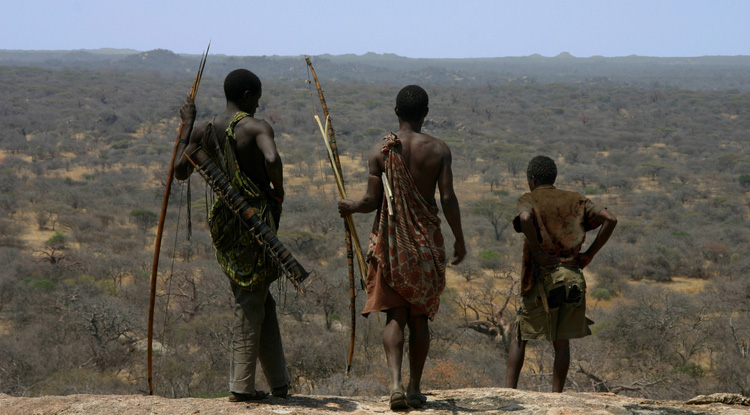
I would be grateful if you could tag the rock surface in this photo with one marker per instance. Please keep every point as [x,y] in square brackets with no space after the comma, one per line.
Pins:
[454,402]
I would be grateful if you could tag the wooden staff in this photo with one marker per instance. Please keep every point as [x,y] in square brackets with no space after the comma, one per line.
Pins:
[329,137]
[160,227]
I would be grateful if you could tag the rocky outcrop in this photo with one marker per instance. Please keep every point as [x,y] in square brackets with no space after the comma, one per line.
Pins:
[454,402]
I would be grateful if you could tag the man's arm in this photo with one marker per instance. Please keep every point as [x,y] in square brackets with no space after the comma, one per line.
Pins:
[264,139]
[451,210]
[608,222]
[274,166]
[374,194]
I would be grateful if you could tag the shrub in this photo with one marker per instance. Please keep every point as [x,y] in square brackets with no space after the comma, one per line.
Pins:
[489,259]
[690,369]
[601,294]
[57,241]
[144,218]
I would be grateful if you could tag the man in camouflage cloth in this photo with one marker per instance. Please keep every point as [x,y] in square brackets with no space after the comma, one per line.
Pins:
[245,150]
[553,291]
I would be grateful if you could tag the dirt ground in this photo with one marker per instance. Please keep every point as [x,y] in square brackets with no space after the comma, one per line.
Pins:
[440,402]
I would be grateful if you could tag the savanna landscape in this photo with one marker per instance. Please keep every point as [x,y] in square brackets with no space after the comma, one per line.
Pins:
[85,145]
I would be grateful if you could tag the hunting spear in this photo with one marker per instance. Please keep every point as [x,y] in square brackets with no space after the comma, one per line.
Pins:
[160,227]
[329,137]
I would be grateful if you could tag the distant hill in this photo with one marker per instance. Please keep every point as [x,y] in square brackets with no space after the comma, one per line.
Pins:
[695,73]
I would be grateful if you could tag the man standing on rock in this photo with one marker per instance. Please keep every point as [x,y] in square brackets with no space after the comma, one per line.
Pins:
[244,149]
[553,291]
[406,259]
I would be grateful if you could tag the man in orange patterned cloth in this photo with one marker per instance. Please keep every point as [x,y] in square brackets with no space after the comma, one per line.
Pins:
[553,291]
[406,259]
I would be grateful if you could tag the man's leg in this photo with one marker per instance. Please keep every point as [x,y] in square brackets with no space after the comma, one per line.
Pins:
[393,343]
[271,354]
[419,345]
[516,354]
[249,314]
[562,362]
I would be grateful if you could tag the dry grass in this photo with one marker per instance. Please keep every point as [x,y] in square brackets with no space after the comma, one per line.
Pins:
[468,189]
[680,284]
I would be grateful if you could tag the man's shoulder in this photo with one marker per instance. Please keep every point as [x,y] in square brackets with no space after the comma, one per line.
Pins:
[199,129]
[249,120]
[432,147]
[570,194]
[554,192]
[550,196]
[252,126]
[438,143]
[558,200]
[525,196]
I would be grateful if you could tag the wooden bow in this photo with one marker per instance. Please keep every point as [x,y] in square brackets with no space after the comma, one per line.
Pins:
[160,227]
[329,137]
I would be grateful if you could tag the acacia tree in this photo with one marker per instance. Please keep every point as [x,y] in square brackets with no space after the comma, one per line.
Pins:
[496,212]
[145,219]
[654,168]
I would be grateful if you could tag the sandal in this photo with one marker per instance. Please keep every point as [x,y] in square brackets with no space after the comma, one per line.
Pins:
[416,400]
[398,401]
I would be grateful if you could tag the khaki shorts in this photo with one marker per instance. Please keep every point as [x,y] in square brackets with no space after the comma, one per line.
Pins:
[565,289]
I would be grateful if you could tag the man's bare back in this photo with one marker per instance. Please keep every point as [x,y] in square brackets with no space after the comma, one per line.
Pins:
[429,162]
[423,155]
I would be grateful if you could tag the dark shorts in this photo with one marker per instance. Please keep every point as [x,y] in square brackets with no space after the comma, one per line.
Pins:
[565,289]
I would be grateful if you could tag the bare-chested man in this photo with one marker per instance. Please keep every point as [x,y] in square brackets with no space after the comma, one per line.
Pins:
[244,148]
[406,260]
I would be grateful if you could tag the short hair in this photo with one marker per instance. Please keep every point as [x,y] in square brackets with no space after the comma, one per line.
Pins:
[238,81]
[543,169]
[412,102]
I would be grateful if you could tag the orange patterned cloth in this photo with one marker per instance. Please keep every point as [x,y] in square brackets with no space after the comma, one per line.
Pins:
[406,250]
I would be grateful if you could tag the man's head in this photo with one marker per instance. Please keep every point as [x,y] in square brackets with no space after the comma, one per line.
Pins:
[241,84]
[412,103]
[541,170]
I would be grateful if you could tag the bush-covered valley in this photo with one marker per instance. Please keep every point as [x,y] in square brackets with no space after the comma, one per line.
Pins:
[82,173]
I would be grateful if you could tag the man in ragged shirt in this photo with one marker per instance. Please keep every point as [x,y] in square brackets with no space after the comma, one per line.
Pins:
[553,291]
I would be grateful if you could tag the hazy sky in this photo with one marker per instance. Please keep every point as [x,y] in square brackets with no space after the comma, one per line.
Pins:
[421,28]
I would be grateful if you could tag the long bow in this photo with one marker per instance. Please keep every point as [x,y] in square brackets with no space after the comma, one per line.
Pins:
[160,227]
[329,137]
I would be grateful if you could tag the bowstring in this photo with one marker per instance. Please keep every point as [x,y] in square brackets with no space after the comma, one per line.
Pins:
[189,215]
[170,278]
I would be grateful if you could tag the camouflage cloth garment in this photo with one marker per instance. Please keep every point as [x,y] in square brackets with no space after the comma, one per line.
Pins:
[562,219]
[409,244]
[240,255]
